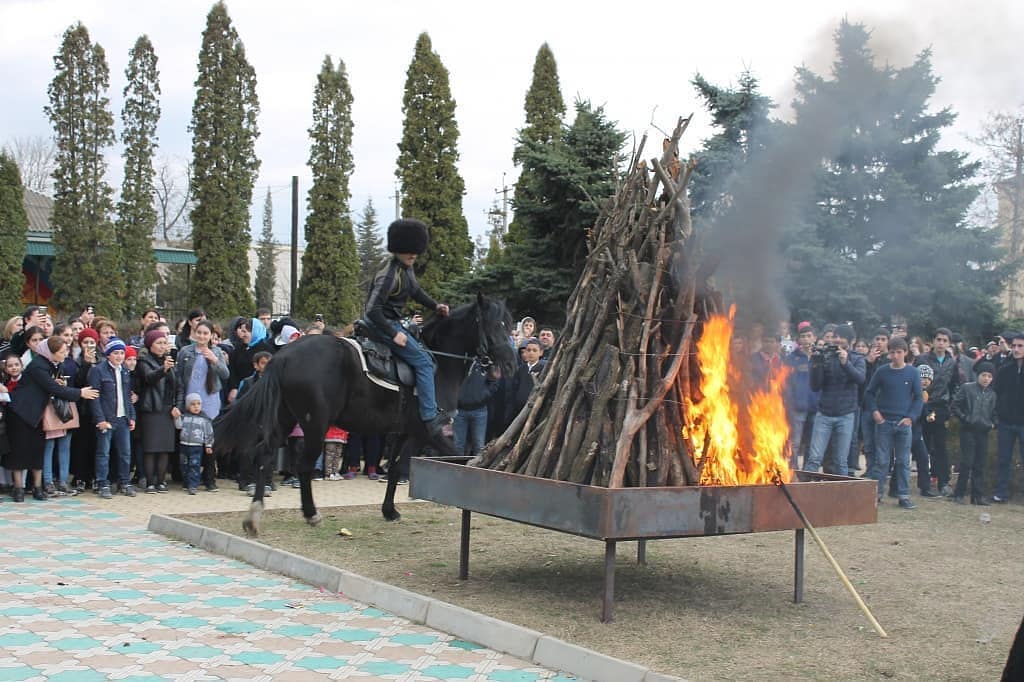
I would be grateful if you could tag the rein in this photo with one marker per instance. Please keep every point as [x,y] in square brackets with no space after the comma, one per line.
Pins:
[482,350]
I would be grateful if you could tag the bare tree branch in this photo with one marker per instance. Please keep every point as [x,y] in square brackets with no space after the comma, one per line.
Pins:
[36,157]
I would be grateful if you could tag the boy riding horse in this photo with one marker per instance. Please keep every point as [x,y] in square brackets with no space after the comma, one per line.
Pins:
[392,288]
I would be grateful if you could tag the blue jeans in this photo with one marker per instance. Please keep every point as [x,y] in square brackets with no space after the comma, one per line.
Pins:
[853,459]
[121,438]
[1006,437]
[472,423]
[422,364]
[63,445]
[839,430]
[797,424]
[191,461]
[891,437]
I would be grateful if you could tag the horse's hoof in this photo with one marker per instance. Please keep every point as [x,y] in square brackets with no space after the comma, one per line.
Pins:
[250,529]
[391,514]
[314,520]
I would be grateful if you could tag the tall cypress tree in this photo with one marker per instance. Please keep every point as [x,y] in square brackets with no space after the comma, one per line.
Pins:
[136,214]
[330,264]
[13,225]
[87,266]
[224,168]
[266,265]
[432,188]
[545,110]
[371,246]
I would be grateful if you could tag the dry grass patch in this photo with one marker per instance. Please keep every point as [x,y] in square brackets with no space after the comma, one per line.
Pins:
[946,587]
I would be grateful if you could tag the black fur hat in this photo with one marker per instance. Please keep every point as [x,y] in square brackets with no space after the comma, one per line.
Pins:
[407,236]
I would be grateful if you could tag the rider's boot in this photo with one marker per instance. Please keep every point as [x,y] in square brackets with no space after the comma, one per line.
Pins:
[435,426]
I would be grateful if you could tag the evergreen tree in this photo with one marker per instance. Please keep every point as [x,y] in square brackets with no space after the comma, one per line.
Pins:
[574,176]
[371,247]
[432,188]
[13,226]
[545,109]
[266,266]
[330,264]
[888,202]
[224,168]
[87,266]
[136,212]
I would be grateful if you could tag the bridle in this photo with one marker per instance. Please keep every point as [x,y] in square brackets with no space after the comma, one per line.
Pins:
[483,348]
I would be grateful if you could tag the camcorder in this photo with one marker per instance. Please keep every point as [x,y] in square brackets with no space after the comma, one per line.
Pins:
[824,353]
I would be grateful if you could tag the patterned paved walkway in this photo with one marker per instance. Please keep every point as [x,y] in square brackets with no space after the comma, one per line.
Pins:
[85,594]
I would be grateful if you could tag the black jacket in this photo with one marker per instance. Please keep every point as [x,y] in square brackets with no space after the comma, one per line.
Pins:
[523,382]
[946,379]
[477,388]
[156,387]
[975,406]
[392,288]
[839,384]
[1009,387]
[35,388]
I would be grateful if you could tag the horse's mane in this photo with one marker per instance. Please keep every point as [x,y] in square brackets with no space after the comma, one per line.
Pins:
[492,308]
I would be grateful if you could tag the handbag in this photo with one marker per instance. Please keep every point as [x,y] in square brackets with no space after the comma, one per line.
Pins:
[52,420]
[62,407]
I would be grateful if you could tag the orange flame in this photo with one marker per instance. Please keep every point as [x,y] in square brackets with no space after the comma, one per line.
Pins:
[746,440]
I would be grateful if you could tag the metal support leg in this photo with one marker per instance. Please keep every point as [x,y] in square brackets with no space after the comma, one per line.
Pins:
[608,603]
[641,552]
[798,567]
[464,546]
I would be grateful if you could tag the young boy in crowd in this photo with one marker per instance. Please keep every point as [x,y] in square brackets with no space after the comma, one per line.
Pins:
[918,447]
[975,406]
[113,414]
[196,437]
[260,360]
[894,399]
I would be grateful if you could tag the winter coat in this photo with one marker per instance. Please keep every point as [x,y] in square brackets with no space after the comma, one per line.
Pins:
[839,384]
[104,377]
[156,387]
[35,388]
[1009,388]
[196,429]
[975,406]
[185,364]
[798,395]
[392,288]
[945,381]
[477,388]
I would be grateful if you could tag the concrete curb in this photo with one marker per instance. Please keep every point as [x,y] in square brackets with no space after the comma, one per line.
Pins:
[495,634]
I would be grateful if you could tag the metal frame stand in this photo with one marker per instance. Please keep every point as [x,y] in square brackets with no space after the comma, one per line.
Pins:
[798,566]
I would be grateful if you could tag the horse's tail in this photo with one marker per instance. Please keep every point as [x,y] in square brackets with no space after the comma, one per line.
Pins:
[252,420]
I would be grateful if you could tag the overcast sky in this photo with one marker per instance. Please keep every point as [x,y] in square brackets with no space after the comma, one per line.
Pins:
[636,65]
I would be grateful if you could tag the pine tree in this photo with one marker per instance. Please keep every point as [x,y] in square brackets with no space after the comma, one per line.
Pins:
[888,202]
[371,247]
[266,266]
[432,188]
[13,226]
[136,212]
[330,264]
[545,110]
[87,266]
[224,168]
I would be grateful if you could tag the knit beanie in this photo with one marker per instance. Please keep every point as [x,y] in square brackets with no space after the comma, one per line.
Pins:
[88,333]
[985,367]
[193,398]
[151,337]
[926,371]
[113,344]
[130,352]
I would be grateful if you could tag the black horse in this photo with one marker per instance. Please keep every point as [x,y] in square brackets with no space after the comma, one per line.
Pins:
[318,381]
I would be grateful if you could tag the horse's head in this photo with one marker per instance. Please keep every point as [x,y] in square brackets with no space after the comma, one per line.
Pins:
[495,325]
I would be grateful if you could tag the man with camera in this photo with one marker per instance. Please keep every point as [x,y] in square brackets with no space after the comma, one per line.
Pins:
[837,374]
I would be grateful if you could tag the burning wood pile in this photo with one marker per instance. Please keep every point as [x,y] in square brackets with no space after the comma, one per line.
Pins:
[642,390]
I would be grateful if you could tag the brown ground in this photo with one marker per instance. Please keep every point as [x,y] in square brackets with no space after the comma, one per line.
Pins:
[947,587]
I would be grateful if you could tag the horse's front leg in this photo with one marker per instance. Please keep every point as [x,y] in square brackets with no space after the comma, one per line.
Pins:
[395,456]
[310,452]
[251,523]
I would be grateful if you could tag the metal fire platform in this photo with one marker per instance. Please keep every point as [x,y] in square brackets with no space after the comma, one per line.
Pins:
[623,514]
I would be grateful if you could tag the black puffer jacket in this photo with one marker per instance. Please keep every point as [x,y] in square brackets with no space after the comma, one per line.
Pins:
[839,383]
[477,388]
[156,387]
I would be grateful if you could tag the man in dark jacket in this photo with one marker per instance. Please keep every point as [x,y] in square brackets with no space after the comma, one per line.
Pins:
[479,386]
[801,401]
[838,375]
[878,356]
[392,288]
[1009,387]
[945,381]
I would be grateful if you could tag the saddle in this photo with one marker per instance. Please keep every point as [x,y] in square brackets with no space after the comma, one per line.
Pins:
[379,362]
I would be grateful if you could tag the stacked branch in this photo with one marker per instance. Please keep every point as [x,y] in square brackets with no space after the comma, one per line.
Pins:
[608,409]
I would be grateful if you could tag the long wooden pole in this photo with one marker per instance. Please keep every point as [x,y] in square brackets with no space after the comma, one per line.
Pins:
[835,565]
